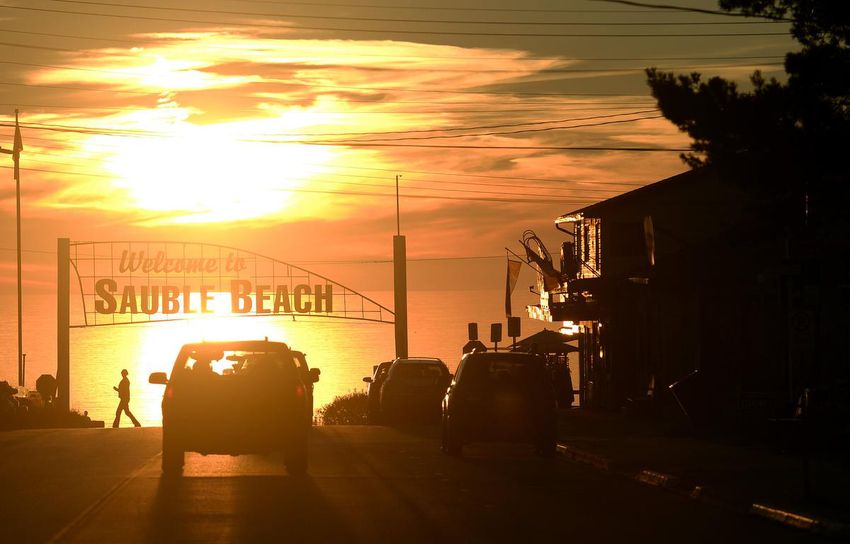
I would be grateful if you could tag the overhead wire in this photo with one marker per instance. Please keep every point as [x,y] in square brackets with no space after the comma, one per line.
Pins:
[688,9]
[351,193]
[413,57]
[442,8]
[91,163]
[529,72]
[393,31]
[407,20]
[147,133]
[426,172]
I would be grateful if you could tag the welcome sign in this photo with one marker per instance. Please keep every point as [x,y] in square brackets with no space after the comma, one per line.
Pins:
[132,282]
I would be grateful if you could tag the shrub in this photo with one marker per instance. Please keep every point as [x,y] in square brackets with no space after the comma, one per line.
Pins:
[348,409]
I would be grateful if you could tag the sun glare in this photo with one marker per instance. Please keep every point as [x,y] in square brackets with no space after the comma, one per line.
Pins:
[211,172]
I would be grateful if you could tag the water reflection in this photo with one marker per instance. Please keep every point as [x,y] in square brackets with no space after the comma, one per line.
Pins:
[345,350]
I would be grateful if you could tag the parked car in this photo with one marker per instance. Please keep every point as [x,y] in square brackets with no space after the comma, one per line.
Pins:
[500,397]
[376,381]
[234,398]
[413,390]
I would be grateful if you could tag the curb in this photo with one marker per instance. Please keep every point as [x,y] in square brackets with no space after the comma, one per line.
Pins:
[657,479]
[799,521]
[583,456]
[695,492]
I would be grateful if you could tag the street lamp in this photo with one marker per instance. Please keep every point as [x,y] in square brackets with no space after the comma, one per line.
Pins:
[15,152]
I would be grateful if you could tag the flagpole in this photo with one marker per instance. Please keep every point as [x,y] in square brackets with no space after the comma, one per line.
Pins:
[16,157]
[17,147]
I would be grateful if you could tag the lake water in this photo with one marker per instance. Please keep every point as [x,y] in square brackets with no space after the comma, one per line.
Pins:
[344,350]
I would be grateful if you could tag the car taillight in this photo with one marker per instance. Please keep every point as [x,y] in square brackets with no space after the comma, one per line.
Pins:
[299,390]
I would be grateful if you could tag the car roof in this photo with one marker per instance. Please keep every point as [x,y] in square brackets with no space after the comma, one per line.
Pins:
[419,360]
[503,355]
[247,345]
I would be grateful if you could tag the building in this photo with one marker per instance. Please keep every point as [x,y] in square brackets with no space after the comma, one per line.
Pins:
[721,272]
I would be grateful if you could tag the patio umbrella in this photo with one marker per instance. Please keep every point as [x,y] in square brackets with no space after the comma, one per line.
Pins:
[547,342]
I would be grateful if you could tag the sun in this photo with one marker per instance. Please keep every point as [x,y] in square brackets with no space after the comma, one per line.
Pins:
[211,173]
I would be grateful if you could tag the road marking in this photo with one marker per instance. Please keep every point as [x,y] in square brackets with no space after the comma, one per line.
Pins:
[96,505]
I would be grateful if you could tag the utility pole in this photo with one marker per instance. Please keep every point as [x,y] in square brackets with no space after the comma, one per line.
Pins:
[400,282]
[17,147]
[397,208]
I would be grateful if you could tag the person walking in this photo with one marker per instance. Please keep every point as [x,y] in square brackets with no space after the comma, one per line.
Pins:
[124,401]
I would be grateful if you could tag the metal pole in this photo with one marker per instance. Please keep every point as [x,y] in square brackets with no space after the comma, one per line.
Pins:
[16,156]
[63,322]
[400,290]
[20,301]
[400,281]
[397,208]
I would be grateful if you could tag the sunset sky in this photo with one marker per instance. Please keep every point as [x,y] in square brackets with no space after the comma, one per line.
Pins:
[279,126]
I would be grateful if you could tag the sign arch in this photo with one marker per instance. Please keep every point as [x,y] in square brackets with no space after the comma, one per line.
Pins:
[131,282]
[134,282]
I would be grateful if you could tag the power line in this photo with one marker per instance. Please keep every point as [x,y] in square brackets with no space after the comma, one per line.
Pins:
[529,71]
[637,149]
[42,47]
[406,20]
[326,86]
[352,193]
[441,106]
[69,36]
[351,261]
[314,179]
[441,8]
[482,176]
[144,133]
[448,174]
[463,182]
[475,127]
[88,163]
[394,31]
[437,173]
[687,9]
[67,88]
[412,57]
[524,131]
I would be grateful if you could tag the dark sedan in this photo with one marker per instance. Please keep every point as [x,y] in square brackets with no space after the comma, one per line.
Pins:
[413,390]
[500,397]
[376,381]
[234,398]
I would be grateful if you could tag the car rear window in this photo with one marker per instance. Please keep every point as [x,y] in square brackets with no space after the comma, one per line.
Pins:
[418,373]
[235,362]
[493,371]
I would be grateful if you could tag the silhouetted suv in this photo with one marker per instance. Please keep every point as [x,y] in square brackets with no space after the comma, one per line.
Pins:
[251,396]
[376,381]
[413,390]
[500,397]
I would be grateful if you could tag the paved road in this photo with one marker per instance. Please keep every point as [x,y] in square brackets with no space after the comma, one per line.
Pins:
[366,484]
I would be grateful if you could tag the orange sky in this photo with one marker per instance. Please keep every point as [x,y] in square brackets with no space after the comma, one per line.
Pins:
[279,126]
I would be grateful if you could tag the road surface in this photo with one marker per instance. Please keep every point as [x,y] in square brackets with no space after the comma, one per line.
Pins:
[366,484]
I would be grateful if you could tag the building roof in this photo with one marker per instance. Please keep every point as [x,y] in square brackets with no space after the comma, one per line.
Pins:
[639,197]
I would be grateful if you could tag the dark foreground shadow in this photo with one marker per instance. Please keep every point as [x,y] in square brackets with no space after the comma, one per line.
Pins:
[417,429]
[243,509]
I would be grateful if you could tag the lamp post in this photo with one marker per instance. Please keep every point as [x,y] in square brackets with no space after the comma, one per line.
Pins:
[17,147]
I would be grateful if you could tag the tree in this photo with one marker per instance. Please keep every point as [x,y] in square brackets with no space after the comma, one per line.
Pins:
[803,121]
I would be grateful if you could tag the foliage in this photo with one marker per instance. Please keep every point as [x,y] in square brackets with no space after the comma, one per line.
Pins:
[804,121]
[348,409]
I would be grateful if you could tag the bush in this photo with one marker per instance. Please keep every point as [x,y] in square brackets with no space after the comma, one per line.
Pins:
[348,409]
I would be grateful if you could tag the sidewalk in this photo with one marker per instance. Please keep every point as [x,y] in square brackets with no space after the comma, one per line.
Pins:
[746,477]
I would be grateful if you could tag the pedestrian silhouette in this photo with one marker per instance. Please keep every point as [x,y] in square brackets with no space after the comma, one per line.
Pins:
[124,401]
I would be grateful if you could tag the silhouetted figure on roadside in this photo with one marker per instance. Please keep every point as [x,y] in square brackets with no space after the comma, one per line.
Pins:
[124,401]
